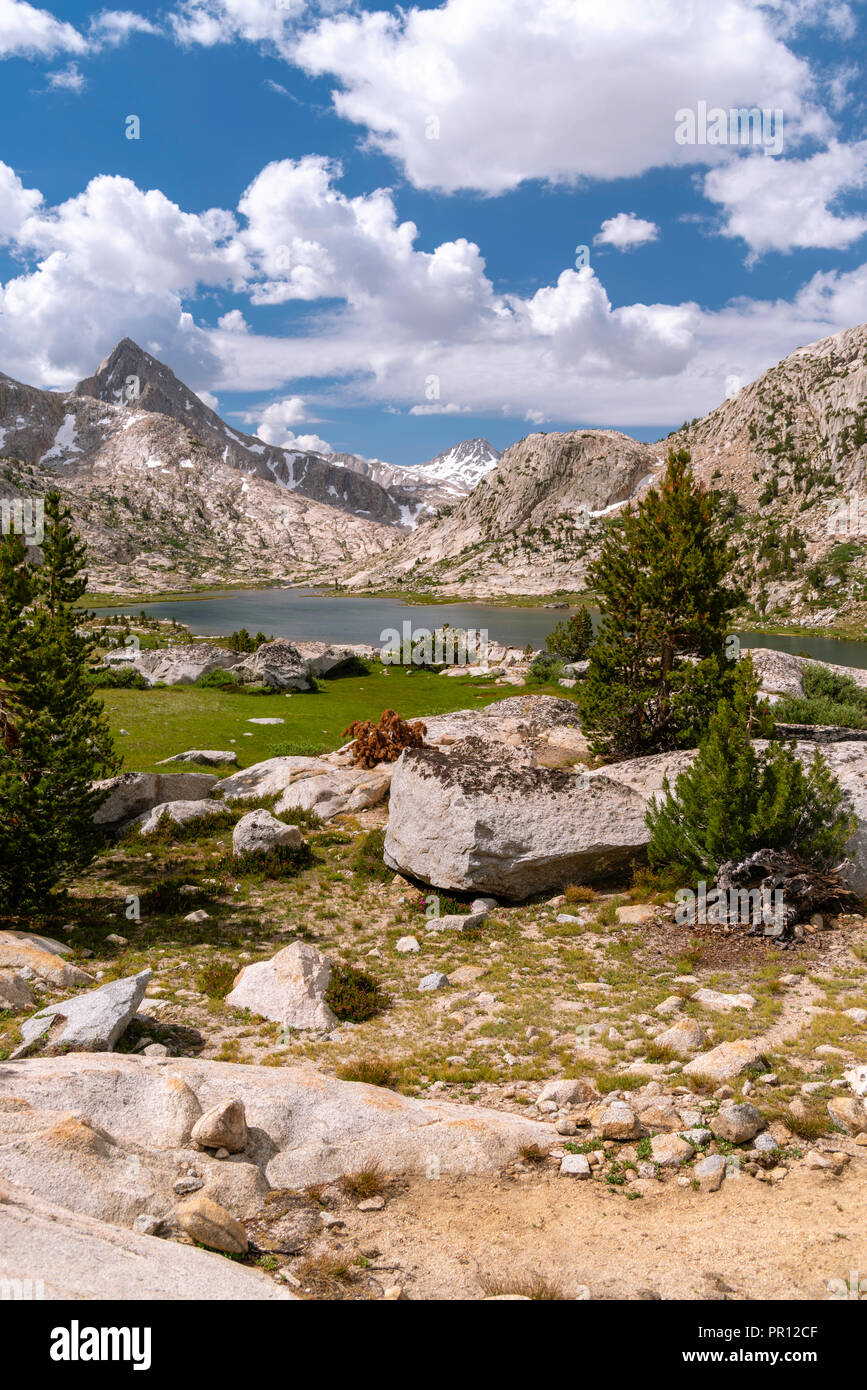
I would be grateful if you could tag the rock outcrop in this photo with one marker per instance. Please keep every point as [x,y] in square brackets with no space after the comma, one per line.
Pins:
[69,1255]
[184,663]
[278,664]
[259,831]
[114,1130]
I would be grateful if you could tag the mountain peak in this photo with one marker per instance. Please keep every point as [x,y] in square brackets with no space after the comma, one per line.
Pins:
[463,465]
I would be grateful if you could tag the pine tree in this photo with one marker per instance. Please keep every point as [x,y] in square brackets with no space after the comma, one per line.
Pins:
[56,739]
[735,799]
[658,665]
[571,640]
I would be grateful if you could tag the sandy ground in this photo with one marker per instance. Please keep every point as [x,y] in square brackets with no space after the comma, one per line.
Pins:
[751,1240]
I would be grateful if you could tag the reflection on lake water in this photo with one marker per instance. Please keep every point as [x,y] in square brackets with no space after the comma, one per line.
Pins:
[307,615]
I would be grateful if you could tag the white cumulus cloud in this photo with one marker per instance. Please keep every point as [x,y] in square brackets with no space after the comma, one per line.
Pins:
[625,231]
[780,204]
[484,94]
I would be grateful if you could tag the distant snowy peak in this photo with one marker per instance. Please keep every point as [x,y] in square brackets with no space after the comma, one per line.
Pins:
[463,465]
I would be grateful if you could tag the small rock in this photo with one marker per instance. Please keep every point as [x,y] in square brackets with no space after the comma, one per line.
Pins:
[637,914]
[407,945]
[698,1137]
[436,980]
[619,1121]
[15,993]
[577,1092]
[155,1050]
[672,1005]
[200,915]
[456,921]
[766,1143]
[575,1166]
[670,1151]
[724,1062]
[684,1037]
[857,1015]
[222,1127]
[723,1003]
[710,1172]
[117,940]
[210,1224]
[147,1225]
[371,1204]
[737,1123]
[849,1114]
[259,831]
[188,1184]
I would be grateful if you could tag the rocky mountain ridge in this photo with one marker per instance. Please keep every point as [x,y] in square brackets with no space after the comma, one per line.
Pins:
[131,378]
[789,451]
[159,510]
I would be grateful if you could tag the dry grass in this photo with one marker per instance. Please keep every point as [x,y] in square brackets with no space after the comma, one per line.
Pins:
[373,1071]
[578,893]
[369,1181]
[533,1153]
[531,1285]
[325,1276]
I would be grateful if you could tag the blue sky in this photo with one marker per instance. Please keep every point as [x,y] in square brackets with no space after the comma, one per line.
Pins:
[355,226]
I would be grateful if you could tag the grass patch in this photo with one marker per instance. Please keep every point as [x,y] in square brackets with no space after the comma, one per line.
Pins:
[166,898]
[531,1285]
[366,1182]
[165,721]
[578,893]
[533,1153]
[373,1071]
[367,861]
[281,861]
[325,1276]
[606,1081]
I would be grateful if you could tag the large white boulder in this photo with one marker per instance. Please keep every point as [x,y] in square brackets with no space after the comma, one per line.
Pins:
[65,1254]
[267,778]
[132,793]
[303,1127]
[90,1022]
[481,817]
[278,664]
[259,831]
[779,673]
[289,988]
[185,663]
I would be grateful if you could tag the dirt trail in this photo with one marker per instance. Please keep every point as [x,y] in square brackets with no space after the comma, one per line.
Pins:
[443,1240]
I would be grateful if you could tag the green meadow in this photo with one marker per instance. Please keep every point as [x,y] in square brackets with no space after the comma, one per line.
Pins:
[170,720]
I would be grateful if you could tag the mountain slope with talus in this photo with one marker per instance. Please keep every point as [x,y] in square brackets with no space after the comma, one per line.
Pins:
[788,451]
[529,525]
[131,377]
[158,507]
